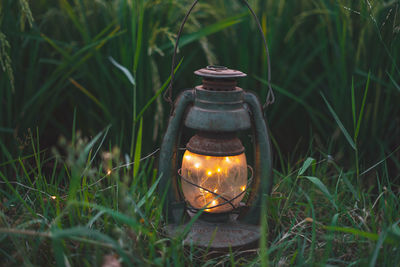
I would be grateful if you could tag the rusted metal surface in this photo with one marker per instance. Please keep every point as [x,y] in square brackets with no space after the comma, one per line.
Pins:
[218,111]
[222,235]
[219,72]
[219,84]
[215,144]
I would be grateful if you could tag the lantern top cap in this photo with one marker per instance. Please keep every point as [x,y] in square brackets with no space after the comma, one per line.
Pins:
[219,72]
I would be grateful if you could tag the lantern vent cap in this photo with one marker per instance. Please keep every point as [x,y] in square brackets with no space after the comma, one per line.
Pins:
[219,72]
[215,144]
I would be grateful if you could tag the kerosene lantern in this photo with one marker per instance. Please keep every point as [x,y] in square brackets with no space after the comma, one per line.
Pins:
[210,181]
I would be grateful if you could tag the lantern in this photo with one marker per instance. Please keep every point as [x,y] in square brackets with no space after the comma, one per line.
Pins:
[208,189]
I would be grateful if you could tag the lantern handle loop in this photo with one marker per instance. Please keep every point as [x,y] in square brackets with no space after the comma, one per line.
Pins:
[270,96]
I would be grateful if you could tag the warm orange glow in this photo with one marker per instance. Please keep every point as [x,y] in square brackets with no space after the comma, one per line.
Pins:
[221,177]
[53,197]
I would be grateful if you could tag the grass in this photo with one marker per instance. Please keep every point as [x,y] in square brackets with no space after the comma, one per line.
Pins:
[315,214]
[102,66]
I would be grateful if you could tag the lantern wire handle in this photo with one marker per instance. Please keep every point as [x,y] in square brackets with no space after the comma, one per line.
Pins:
[270,96]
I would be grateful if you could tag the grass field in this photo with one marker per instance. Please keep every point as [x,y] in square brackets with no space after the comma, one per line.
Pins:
[80,90]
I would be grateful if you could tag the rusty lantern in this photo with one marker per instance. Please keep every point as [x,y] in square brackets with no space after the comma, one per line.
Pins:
[208,189]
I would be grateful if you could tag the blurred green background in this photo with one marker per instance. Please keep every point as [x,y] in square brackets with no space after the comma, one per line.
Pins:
[55,59]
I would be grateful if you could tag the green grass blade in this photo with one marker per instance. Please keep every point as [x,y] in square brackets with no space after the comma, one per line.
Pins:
[138,150]
[15,192]
[56,47]
[116,215]
[139,39]
[353,104]
[378,247]
[159,91]
[339,123]
[58,251]
[307,163]
[396,85]
[317,182]
[360,116]
[124,70]
[357,232]
[208,30]
[78,167]
[89,94]
[149,193]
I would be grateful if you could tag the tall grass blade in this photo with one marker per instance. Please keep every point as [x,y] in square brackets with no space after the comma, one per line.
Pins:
[264,253]
[357,232]
[208,30]
[378,247]
[317,182]
[138,150]
[139,38]
[339,123]
[78,166]
[118,216]
[396,85]
[159,91]
[307,163]
[360,116]
[149,193]
[353,104]
[88,94]
[124,70]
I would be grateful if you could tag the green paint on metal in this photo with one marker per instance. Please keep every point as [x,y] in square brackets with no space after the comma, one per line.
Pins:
[173,206]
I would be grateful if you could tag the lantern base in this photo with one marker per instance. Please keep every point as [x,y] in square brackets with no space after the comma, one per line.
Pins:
[219,235]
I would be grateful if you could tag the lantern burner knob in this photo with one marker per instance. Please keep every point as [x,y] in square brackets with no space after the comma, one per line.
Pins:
[219,78]
[216,68]
[219,72]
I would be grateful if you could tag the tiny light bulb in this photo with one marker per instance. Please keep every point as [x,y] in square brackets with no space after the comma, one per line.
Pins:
[188,157]
[214,203]
[227,159]
[197,165]
[108,172]
[215,191]
[53,197]
[243,188]
[209,173]
[219,170]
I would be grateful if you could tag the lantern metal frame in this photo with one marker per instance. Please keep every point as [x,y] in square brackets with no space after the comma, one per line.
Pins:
[223,111]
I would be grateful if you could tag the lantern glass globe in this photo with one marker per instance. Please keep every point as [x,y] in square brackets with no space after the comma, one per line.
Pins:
[218,179]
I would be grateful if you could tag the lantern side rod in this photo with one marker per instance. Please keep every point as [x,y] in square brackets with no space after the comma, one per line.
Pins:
[262,164]
[168,159]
